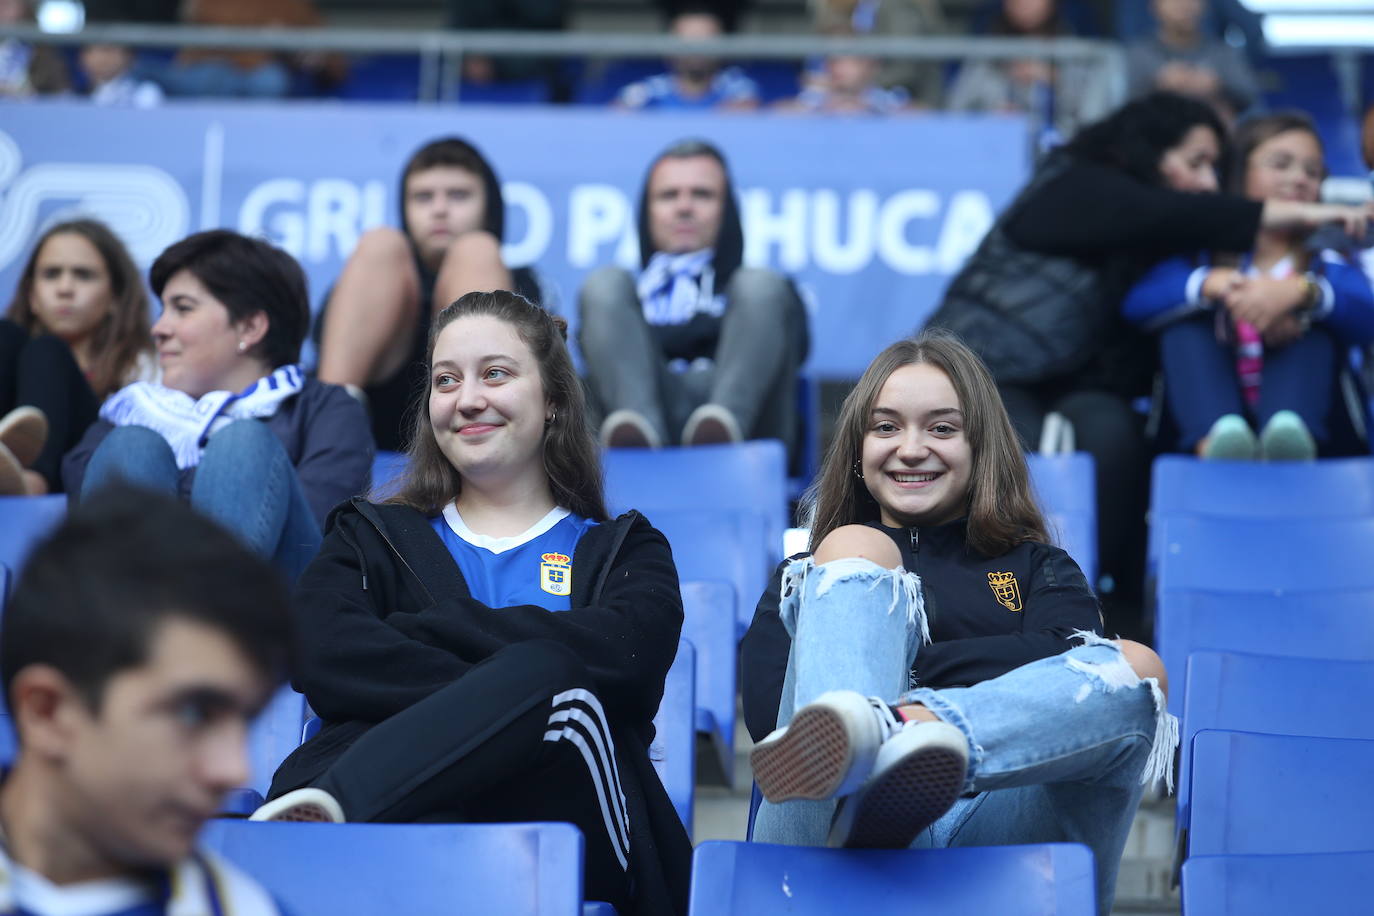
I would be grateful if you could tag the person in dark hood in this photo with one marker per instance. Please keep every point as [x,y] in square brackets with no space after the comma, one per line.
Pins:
[696,349]
[375,322]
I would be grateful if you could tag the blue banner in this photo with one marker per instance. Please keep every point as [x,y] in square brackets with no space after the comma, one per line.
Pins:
[871,216]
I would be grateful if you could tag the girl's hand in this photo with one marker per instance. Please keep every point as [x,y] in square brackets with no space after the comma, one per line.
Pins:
[1266,301]
[1220,281]
[1283,332]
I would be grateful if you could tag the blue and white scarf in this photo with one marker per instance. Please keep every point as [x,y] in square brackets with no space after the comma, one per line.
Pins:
[187,423]
[674,287]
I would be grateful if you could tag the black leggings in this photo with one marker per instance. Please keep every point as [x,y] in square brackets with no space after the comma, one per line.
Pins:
[520,737]
[41,372]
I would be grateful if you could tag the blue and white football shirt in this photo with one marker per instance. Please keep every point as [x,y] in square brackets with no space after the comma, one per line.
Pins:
[534,567]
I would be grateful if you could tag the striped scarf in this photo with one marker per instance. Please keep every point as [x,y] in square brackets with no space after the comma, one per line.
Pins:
[674,287]
[188,423]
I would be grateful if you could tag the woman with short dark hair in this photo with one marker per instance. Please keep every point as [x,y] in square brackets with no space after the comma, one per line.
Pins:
[234,425]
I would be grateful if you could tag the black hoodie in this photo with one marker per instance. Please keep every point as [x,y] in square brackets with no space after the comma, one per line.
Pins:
[697,337]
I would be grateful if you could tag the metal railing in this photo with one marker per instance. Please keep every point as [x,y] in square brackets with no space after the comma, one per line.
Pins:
[441,52]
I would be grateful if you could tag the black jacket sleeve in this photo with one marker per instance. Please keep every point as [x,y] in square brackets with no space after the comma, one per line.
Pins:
[352,663]
[627,639]
[763,661]
[336,450]
[1093,210]
[1059,602]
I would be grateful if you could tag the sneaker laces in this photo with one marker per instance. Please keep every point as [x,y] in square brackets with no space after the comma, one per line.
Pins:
[889,723]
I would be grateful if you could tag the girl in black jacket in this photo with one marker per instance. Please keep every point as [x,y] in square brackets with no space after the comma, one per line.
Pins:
[931,570]
[488,645]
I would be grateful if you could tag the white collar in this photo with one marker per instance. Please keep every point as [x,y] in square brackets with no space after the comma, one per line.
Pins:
[501,545]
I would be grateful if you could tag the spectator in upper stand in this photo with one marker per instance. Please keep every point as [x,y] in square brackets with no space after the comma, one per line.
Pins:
[848,86]
[1040,300]
[697,349]
[1063,97]
[234,426]
[140,642]
[1262,339]
[108,73]
[510,16]
[27,69]
[1180,58]
[375,322]
[76,331]
[246,73]
[922,80]
[694,81]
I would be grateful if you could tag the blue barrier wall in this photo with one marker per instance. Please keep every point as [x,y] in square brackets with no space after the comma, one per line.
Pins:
[871,216]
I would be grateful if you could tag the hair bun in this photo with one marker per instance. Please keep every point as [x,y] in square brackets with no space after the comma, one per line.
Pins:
[561,324]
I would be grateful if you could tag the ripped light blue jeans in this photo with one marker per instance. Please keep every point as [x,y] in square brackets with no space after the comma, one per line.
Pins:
[1059,749]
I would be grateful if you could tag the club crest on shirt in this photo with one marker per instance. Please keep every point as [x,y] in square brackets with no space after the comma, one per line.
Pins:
[1004,587]
[555,573]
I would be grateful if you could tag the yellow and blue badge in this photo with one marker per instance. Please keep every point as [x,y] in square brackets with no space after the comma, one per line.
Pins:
[1003,585]
[555,573]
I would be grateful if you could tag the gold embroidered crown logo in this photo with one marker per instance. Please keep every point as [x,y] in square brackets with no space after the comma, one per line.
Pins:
[1005,589]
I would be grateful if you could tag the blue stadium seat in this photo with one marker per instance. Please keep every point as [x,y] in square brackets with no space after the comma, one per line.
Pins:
[720,544]
[1333,884]
[1328,489]
[23,521]
[366,869]
[1260,558]
[515,92]
[709,622]
[1238,691]
[6,584]
[382,77]
[750,476]
[1334,625]
[386,471]
[9,740]
[674,750]
[277,731]
[1066,485]
[599,85]
[1274,794]
[755,878]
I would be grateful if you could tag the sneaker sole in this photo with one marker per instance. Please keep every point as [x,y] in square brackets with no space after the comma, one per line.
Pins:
[907,798]
[306,813]
[809,761]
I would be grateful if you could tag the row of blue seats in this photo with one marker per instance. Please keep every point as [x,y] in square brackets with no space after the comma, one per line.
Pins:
[1264,600]
[535,870]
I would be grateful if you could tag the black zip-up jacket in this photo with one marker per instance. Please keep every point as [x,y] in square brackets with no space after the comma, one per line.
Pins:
[385,619]
[977,631]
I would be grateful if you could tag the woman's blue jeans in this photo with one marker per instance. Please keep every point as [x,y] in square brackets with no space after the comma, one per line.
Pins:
[245,481]
[1059,749]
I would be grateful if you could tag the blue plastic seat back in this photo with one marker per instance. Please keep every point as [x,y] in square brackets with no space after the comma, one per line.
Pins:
[24,520]
[674,749]
[1335,625]
[1274,794]
[6,584]
[756,878]
[748,476]
[274,734]
[709,622]
[1245,556]
[1332,884]
[367,869]
[1238,691]
[719,544]
[387,468]
[1066,487]
[1186,487]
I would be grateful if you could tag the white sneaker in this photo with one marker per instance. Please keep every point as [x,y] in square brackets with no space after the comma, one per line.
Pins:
[711,424]
[919,773]
[315,806]
[827,750]
[629,429]
[1231,439]
[24,431]
[1286,438]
